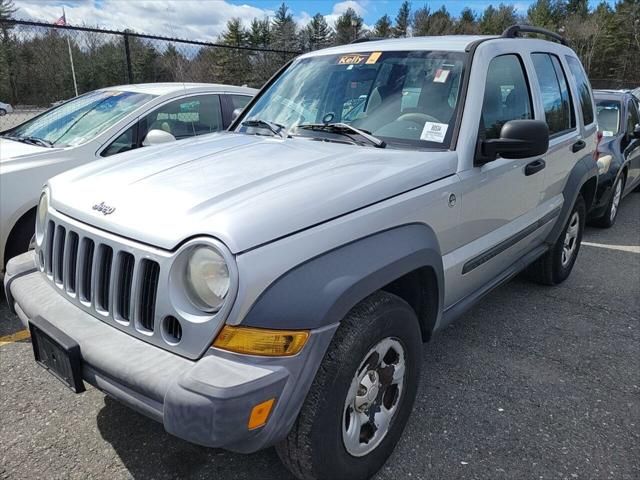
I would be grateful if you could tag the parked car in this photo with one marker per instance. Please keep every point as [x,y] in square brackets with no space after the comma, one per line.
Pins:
[273,285]
[636,93]
[5,108]
[619,153]
[96,125]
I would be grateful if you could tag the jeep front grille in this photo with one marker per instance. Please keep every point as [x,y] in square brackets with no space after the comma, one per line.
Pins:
[108,281]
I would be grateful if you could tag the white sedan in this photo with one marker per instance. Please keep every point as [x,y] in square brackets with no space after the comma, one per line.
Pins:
[5,108]
[95,125]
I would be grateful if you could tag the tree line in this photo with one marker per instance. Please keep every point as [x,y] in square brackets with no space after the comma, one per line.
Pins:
[35,66]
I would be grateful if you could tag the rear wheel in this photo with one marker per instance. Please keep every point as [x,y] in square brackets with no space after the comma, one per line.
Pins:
[362,395]
[609,216]
[555,266]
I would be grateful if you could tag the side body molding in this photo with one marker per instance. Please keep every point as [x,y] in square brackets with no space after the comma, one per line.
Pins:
[583,171]
[322,290]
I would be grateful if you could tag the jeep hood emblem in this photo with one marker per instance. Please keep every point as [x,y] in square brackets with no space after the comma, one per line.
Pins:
[104,208]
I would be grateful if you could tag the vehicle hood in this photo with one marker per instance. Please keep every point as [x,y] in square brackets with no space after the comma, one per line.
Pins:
[244,190]
[10,150]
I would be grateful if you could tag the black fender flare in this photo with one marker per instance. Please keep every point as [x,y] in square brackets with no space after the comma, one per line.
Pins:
[584,170]
[322,290]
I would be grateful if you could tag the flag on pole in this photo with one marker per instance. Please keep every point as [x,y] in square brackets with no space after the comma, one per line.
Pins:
[62,21]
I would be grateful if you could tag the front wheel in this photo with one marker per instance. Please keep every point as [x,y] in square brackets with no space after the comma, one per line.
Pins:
[362,395]
[608,218]
[555,266]
[3,112]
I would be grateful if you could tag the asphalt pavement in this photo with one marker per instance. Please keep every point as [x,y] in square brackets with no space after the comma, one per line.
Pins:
[533,383]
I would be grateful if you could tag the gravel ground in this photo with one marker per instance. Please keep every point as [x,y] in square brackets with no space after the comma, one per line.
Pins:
[534,382]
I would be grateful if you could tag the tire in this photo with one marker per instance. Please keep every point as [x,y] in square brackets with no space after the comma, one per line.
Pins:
[316,447]
[20,237]
[555,266]
[3,112]
[609,216]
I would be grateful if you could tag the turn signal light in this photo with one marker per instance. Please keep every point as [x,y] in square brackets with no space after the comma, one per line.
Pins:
[259,414]
[261,341]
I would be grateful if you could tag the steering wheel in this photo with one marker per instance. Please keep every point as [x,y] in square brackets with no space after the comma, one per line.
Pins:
[416,117]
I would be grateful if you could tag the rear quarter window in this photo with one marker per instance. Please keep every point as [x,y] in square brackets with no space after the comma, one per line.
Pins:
[584,89]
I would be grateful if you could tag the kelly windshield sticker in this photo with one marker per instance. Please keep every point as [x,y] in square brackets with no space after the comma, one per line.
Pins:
[441,75]
[352,59]
[373,58]
[434,132]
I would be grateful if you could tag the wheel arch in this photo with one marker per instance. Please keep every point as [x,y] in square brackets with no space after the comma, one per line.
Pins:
[582,180]
[404,260]
[21,220]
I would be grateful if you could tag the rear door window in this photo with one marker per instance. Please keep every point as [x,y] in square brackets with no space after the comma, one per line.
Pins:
[584,89]
[558,107]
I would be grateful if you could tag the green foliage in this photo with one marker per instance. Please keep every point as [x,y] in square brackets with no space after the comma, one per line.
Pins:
[317,34]
[383,27]
[403,19]
[348,27]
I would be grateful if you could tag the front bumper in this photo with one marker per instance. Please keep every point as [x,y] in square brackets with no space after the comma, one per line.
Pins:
[207,401]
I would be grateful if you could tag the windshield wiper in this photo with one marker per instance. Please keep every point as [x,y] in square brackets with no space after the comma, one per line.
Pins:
[41,142]
[344,128]
[275,128]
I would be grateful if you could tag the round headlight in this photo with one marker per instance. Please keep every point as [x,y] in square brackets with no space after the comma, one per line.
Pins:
[41,216]
[207,279]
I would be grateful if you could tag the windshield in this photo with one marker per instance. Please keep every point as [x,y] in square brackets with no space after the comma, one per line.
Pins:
[407,99]
[80,119]
[608,117]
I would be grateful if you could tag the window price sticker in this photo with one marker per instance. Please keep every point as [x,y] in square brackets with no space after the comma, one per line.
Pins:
[441,75]
[434,132]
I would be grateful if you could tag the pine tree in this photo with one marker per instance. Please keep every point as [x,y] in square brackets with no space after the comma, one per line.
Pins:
[235,66]
[466,24]
[284,30]
[495,20]
[317,34]
[383,27]
[348,27]
[401,28]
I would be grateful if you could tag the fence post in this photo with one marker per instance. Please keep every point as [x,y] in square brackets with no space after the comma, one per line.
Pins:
[127,54]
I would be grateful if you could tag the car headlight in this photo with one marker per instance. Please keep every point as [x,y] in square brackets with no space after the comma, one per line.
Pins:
[604,162]
[41,216]
[207,279]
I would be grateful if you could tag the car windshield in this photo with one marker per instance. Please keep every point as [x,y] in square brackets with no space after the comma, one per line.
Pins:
[608,117]
[407,99]
[80,119]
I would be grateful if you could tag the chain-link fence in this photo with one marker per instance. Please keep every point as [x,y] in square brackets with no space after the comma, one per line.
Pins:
[38,62]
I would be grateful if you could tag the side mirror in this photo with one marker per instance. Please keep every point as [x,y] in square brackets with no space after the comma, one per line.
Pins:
[636,131]
[236,113]
[156,137]
[518,139]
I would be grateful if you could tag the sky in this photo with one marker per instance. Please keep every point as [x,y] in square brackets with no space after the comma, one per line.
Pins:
[205,19]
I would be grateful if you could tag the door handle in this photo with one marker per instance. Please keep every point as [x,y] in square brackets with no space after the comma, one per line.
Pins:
[534,167]
[579,145]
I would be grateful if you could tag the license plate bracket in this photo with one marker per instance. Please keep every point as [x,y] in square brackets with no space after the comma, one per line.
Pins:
[57,353]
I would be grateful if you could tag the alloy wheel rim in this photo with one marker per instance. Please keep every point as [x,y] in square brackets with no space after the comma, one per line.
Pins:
[570,239]
[617,194]
[373,397]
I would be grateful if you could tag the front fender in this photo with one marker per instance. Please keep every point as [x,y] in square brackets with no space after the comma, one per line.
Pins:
[322,290]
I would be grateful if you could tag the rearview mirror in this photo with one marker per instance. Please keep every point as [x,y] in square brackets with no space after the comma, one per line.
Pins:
[156,137]
[518,139]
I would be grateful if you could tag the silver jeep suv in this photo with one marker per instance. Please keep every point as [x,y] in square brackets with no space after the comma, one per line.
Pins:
[273,285]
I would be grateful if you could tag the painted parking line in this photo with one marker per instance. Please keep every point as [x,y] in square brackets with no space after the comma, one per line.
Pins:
[14,337]
[622,248]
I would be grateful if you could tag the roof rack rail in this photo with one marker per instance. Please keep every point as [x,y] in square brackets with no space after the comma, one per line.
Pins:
[366,39]
[514,31]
